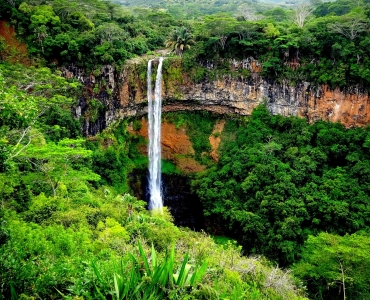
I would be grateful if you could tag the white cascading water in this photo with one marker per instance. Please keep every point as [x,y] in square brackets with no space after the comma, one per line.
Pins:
[154,150]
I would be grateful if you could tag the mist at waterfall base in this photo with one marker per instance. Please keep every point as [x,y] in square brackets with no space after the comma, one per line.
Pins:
[183,204]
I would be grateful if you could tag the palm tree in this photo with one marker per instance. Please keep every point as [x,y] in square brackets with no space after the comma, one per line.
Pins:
[179,40]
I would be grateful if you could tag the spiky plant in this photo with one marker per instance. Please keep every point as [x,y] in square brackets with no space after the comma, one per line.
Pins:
[149,279]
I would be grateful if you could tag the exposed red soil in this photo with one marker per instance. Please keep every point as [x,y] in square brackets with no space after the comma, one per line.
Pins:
[15,52]
[176,146]
[215,139]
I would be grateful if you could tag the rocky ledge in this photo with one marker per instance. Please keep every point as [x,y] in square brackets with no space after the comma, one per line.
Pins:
[125,95]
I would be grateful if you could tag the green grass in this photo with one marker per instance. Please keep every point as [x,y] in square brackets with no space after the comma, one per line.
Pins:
[141,162]
[169,168]
[222,240]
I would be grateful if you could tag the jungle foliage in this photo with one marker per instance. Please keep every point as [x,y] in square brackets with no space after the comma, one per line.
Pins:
[325,43]
[281,181]
[326,49]
[87,34]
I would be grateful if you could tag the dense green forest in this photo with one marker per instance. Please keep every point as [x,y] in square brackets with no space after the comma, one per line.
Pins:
[323,44]
[281,181]
[284,192]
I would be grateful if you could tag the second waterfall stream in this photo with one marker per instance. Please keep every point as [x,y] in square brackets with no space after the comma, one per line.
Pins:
[154,147]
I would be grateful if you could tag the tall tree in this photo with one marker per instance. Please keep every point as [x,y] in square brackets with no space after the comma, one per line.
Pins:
[24,102]
[248,13]
[57,162]
[350,28]
[301,14]
[336,267]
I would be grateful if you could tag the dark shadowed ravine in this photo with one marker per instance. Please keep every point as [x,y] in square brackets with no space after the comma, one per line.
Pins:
[185,206]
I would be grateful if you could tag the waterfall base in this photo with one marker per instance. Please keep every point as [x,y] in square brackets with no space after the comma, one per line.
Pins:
[185,207]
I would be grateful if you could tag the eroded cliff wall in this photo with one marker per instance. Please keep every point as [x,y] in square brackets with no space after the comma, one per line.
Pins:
[125,95]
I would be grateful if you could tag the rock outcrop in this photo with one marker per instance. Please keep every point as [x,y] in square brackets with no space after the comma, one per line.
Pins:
[15,51]
[226,95]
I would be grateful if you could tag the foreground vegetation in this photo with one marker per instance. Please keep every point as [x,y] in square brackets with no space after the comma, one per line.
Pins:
[99,247]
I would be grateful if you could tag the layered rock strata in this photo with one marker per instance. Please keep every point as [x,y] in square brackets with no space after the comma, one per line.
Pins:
[226,95]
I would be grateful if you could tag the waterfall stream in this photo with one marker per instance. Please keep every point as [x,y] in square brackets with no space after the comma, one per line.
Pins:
[154,148]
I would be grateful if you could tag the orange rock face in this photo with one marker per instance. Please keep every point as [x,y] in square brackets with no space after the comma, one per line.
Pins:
[176,146]
[215,139]
[229,95]
[15,52]
[350,109]
[174,141]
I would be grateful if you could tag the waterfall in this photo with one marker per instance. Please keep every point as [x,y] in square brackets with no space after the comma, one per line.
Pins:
[154,149]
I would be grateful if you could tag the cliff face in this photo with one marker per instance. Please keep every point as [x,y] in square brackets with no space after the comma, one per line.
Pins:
[176,146]
[227,95]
